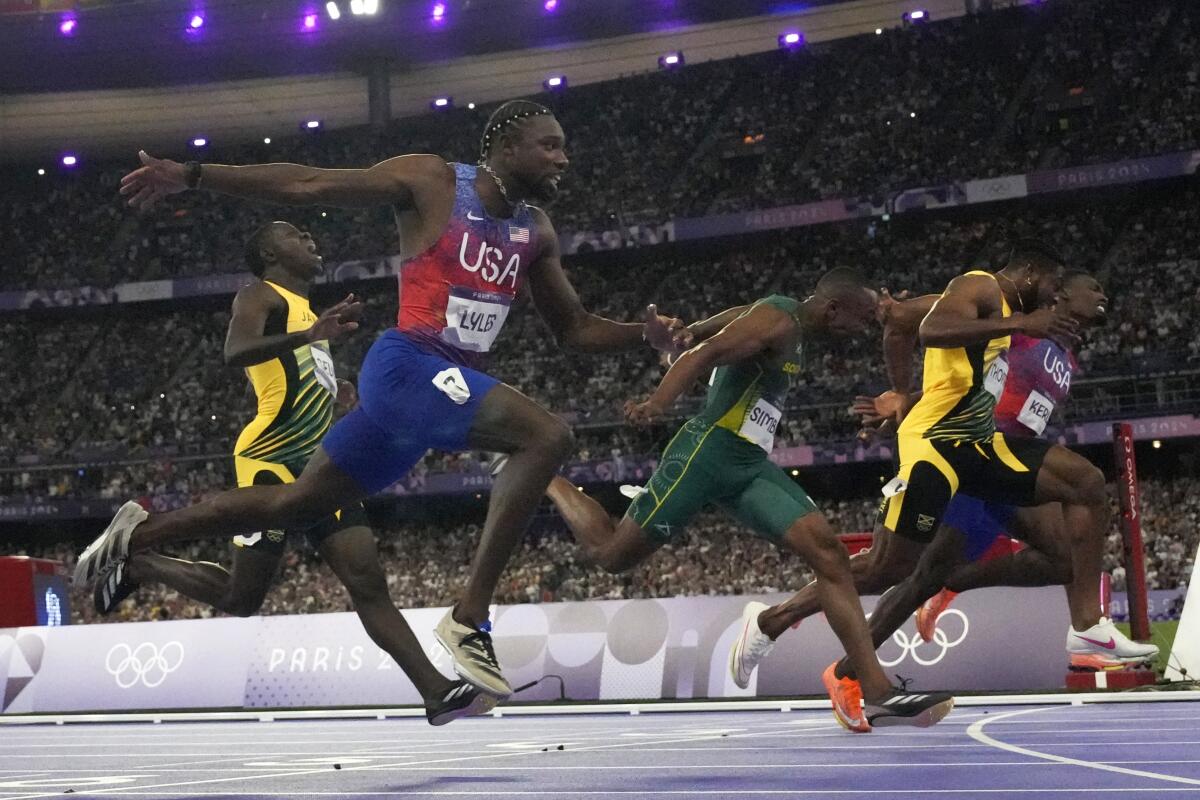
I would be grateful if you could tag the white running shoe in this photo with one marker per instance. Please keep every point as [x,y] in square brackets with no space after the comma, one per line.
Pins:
[495,463]
[473,655]
[1102,646]
[751,646]
[110,546]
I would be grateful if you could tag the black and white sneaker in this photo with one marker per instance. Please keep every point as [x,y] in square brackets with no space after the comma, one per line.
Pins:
[462,700]
[113,587]
[904,708]
[473,654]
[110,546]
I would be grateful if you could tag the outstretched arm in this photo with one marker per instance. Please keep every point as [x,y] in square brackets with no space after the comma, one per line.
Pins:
[754,331]
[573,326]
[399,181]
[245,342]
[901,327]
[969,313]
[707,328]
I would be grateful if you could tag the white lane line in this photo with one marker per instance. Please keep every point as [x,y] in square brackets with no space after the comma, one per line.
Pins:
[400,765]
[975,731]
[559,793]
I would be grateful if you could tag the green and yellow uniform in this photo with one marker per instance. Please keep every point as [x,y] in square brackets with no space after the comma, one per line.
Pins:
[295,409]
[720,456]
[949,440]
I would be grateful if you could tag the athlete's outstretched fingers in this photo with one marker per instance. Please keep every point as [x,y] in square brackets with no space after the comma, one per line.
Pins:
[1067,477]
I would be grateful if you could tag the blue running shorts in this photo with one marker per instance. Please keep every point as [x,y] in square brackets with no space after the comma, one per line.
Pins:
[980,520]
[409,401]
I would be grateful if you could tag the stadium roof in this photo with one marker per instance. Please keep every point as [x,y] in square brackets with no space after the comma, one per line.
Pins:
[124,45]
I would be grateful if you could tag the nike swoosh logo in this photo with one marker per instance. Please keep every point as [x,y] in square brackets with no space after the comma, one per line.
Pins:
[1111,644]
[472,216]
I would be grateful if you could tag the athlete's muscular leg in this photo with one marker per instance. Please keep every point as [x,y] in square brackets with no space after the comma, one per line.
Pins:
[890,560]
[353,557]
[1086,531]
[1069,478]
[320,490]
[1046,562]
[941,557]
[811,538]
[614,547]
[537,443]
[239,592]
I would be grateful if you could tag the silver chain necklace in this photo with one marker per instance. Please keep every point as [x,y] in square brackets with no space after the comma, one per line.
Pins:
[1020,299]
[499,184]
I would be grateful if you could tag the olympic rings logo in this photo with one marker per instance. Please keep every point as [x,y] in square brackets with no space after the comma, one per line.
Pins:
[145,664]
[911,645]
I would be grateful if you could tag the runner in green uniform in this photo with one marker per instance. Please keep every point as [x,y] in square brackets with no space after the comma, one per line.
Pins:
[720,457]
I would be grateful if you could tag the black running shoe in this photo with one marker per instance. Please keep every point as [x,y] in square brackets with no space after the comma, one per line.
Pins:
[904,708]
[113,586]
[462,700]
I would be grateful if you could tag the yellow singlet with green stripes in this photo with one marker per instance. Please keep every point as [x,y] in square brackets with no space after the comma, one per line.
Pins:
[295,392]
[961,386]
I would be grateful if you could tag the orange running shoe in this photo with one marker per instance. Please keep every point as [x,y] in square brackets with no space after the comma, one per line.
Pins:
[929,612]
[847,697]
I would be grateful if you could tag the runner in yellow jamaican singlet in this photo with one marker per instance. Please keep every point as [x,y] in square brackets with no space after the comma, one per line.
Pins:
[948,441]
[284,348]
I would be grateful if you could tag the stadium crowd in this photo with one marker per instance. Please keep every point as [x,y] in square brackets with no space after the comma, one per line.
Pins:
[148,380]
[136,399]
[427,566]
[866,116]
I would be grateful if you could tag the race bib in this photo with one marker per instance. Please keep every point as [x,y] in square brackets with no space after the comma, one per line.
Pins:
[323,368]
[474,318]
[997,374]
[760,424]
[1036,412]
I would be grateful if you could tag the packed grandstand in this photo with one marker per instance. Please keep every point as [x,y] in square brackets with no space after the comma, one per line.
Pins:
[870,122]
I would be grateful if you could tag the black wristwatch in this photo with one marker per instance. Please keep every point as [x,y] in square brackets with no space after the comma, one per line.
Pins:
[191,174]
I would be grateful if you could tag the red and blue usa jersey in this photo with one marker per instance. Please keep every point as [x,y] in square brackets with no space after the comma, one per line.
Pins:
[455,296]
[1039,379]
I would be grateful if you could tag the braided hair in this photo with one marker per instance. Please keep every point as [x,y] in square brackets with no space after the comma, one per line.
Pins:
[504,117]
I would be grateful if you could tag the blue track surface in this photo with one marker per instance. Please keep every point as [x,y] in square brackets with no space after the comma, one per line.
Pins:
[1147,750]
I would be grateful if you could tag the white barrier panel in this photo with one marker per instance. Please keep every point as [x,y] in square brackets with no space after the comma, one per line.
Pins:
[997,639]
[1185,653]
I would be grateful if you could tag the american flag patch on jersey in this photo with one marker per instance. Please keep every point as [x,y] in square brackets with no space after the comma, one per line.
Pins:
[516,234]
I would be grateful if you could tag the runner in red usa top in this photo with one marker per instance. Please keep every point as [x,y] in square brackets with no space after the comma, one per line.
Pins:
[1065,548]
[1066,542]
[472,240]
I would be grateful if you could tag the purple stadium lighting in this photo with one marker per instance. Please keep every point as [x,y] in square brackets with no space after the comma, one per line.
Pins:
[195,23]
[67,26]
[441,103]
[555,82]
[438,12]
[69,160]
[331,8]
[791,39]
[312,124]
[199,141]
[671,60]
[917,16]
[550,5]
[310,21]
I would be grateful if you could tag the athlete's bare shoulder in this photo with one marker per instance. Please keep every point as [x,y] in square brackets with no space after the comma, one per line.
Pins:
[978,290]
[418,171]
[257,294]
